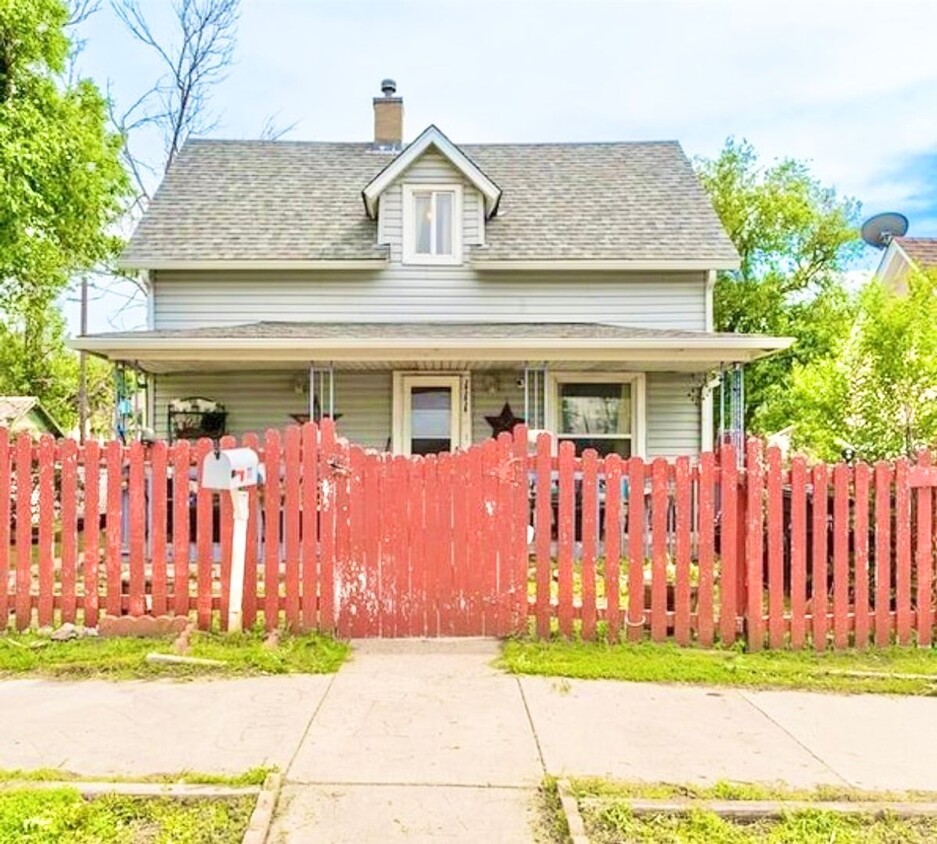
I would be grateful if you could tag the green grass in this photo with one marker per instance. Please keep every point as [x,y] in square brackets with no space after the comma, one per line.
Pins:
[609,820]
[244,654]
[252,776]
[62,816]
[615,824]
[667,663]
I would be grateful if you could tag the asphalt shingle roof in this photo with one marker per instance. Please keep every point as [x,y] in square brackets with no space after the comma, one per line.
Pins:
[921,250]
[279,200]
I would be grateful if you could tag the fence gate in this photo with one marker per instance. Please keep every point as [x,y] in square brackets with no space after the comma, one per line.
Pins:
[416,546]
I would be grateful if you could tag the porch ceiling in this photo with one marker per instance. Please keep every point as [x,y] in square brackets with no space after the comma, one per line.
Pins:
[288,345]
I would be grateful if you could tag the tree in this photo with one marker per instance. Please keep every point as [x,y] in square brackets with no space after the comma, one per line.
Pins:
[794,237]
[877,394]
[62,187]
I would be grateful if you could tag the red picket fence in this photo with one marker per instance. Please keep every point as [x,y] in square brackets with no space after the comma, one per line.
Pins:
[339,538]
[481,542]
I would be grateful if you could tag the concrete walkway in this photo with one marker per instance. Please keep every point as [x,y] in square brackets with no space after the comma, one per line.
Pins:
[424,741]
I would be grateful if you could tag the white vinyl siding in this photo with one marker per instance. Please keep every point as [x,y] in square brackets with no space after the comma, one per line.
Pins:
[257,400]
[673,414]
[420,294]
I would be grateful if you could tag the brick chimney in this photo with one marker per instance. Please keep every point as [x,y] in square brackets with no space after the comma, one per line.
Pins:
[388,116]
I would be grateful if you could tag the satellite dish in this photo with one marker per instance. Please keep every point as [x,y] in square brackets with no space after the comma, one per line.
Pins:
[878,230]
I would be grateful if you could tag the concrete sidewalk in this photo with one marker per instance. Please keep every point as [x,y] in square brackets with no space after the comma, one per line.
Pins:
[424,741]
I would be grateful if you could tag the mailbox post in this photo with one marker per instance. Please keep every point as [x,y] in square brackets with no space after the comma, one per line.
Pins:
[234,470]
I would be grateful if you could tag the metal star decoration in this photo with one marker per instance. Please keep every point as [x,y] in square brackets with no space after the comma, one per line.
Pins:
[504,421]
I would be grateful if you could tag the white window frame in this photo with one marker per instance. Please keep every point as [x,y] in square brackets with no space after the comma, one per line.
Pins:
[461,424]
[637,381]
[410,255]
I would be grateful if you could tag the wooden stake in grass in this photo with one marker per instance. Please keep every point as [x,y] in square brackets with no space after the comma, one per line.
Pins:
[175,659]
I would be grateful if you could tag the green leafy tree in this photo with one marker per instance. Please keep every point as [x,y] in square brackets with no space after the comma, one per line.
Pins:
[877,394]
[794,237]
[62,187]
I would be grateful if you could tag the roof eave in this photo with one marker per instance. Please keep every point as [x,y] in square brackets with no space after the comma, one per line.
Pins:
[667,264]
[253,264]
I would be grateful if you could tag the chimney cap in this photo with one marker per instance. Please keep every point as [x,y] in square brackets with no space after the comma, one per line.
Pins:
[388,87]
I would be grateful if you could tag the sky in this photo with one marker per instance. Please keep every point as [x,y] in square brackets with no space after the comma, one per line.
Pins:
[850,86]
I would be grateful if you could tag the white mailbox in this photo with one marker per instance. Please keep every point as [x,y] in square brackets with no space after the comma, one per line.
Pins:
[231,469]
[234,470]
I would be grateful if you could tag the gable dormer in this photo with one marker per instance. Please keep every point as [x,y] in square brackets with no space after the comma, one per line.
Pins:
[431,202]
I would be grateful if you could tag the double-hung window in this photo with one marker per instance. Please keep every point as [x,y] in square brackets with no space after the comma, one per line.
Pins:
[599,410]
[432,233]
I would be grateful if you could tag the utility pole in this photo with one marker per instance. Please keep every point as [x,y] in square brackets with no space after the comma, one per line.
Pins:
[83,366]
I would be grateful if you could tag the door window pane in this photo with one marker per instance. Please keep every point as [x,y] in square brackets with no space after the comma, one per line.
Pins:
[443,223]
[430,420]
[595,408]
[423,222]
[603,445]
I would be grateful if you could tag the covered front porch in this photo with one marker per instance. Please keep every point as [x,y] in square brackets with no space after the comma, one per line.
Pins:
[426,388]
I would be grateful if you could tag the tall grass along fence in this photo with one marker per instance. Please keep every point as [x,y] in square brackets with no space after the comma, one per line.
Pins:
[488,541]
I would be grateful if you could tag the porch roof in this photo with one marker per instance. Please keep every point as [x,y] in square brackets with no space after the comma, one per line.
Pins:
[261,344]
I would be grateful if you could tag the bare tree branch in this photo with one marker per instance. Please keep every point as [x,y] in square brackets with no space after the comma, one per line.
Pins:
[196,59]
[271,131]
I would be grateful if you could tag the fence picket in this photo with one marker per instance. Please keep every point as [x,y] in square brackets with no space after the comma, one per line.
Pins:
[68,457]
[775,549]
[291,524]
[706,527]
[309,524]
[24,531]
[883,475]
[271,533]
[112,536]
[682,598]
[388,588]
[504,535]
[226,528]
[520,480]
[46,529]
[489,522]
[567,503]
[543,520]
[636,545]
[401,498]
[136,497]
[158,488]
[902,552]
[754,547]
[924,559]
[861,532]
[840,556]
[613,481]
[204,537]
[354,577]
[434,544]
[590,507]
[6,521]
[372,540]
[417,551]
[91,531]
[819,567]
[660,500]
[249,617]
[441,584]
[798,552]
[180,453]
[460,543]
[728,545]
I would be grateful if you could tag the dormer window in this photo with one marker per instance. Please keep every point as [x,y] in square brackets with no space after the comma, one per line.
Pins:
[432,231]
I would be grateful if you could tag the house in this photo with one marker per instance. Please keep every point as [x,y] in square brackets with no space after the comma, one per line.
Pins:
[430,294]
[904,254]
[26,414]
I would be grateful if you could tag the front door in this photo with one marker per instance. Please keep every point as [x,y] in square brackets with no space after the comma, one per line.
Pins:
[429,414]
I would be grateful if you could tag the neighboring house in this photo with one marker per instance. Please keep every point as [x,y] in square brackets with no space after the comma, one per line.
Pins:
[26,414]
[430,294]
[903,254]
